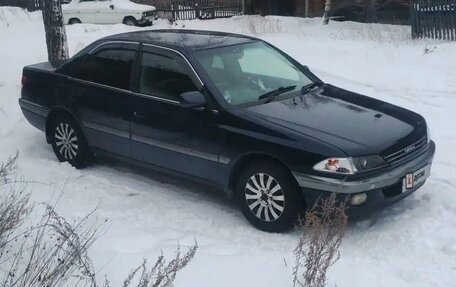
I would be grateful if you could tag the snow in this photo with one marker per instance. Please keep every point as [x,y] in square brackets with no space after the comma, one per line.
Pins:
[412,243]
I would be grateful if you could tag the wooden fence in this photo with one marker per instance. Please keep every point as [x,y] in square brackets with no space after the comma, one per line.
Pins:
[196,9]
[433,19]
[30,5]
[176,9]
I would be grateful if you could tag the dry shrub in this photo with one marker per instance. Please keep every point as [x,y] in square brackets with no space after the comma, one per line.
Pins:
[45,252]
[13,201]
[161,273]
[53,252]
[324,227]
[8,169]
[14,209]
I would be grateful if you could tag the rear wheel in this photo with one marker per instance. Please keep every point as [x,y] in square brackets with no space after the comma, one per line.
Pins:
[268,197]
[130,21]
[68,142]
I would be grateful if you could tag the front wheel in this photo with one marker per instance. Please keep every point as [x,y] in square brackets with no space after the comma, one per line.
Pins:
[130,21]
[68,142]
[268,197]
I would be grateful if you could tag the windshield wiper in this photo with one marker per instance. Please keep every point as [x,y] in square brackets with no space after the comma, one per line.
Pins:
[269,96]
[307,88]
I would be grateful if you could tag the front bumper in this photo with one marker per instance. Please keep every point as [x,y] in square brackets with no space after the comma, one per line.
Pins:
[381,190]
[145,21]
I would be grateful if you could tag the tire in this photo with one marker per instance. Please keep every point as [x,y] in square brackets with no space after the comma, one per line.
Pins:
[268,196]
[68,142]
[130,21]
[74,21]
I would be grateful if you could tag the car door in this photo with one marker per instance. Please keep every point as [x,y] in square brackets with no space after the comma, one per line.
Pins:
[87,11]
[107,12]
[162,132]
[103,108]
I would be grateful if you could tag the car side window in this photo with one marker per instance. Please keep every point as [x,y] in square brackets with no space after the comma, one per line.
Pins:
[163,76]
[111,67]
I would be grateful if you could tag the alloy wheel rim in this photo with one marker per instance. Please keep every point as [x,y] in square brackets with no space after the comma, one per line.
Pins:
[265,197]
[66,141]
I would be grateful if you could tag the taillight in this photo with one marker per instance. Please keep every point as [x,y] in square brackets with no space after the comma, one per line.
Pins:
[24,81]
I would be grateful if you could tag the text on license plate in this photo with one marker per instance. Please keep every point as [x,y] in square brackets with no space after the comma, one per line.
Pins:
[413,179]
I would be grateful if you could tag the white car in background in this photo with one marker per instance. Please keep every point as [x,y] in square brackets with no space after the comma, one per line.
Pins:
[108,12]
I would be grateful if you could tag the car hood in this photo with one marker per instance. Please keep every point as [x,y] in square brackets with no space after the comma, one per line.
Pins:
[356,124]
[125,4]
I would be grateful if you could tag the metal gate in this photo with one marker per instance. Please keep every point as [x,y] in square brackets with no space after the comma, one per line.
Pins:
[433,19]
[195,9]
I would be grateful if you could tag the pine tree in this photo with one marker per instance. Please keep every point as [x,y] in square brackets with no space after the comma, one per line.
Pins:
[56,39]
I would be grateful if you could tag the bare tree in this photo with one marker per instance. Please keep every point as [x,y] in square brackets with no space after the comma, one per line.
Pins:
[324,227]
[327,12]
[56,39]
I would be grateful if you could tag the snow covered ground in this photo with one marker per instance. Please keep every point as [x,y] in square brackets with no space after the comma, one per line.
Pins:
[412,243]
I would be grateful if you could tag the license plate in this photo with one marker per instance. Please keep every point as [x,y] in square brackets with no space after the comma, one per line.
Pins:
[416,178]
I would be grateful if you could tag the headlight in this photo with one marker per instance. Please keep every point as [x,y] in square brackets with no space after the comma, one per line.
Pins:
[366,163]
[350,165]
[336,165]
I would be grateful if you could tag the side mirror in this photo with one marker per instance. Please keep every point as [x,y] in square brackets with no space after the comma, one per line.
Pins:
[191,100]
[111,6]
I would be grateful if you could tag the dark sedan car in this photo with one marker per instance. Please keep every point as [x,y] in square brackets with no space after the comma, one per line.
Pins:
[232,111]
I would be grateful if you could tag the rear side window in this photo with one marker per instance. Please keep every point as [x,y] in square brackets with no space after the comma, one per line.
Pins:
[111,67]
[164,77]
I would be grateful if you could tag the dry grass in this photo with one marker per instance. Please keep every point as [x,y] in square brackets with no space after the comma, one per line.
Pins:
[324,227]
[14,201]
[53,252]
[161,273]
[7,169]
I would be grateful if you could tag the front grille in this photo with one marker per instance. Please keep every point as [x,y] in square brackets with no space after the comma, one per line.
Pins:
[149,13]
[408,152]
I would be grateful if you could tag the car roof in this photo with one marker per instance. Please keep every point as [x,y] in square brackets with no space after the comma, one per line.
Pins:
[183,39]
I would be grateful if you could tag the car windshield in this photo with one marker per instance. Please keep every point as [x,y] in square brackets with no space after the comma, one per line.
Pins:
[248,73]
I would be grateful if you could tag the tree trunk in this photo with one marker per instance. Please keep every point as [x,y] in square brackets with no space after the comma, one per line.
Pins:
[56,39]
[327,12]
[306,8]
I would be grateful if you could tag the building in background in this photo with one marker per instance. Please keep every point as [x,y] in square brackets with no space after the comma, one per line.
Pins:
[376,11]
[381,11]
